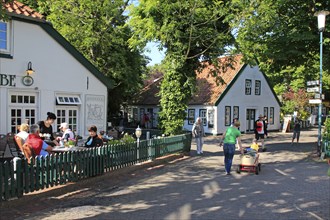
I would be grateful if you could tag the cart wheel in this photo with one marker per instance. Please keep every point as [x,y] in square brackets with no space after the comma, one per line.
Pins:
[238,169]
[259,167]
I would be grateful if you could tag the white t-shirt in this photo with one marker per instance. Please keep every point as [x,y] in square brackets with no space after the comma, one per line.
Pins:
[260,127]
[23,135]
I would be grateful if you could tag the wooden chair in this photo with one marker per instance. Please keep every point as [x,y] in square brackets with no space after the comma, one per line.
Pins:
[19,149]
[29,152]
[14,148]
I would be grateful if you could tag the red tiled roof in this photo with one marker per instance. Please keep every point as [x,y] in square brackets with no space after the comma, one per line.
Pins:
[149,94]
[21,9]
[208,91]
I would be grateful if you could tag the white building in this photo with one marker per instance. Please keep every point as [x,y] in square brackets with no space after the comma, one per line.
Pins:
[245,95]
[63,81]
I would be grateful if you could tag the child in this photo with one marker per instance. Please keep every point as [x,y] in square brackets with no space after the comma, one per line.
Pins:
[254,147]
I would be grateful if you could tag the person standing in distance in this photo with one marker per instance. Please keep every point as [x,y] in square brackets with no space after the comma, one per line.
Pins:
[229,138]
[198,134]
[259,130]
[296,131]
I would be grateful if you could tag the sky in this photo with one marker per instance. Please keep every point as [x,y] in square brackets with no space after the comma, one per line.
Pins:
[154,54]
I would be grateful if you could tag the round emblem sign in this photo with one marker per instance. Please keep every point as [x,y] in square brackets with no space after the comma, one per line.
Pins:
[27,80]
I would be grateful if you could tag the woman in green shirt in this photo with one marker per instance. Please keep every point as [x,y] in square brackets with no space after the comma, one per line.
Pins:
[229,140]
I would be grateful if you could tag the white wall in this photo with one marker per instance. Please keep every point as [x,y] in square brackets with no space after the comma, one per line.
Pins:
[56,71]
[236,97]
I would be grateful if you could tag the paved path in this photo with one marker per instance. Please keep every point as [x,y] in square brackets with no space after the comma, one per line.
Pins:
[291,185]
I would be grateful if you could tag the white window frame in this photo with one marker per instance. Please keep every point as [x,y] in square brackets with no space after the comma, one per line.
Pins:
[68,100]
[23,108]
[271,115]
[257,89]
[202,115]
[227,115]
[266,112]
[236,112]
[210,115]
[191,116]
[63,115]
[248,86]
[8,38]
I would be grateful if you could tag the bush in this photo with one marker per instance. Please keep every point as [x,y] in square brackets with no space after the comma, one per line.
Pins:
[327,126]
[127,139]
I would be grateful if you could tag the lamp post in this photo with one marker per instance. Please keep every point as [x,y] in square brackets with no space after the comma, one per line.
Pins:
[138,133]
[321,15]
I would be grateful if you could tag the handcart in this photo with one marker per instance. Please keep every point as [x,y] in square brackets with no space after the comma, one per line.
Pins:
[249,162]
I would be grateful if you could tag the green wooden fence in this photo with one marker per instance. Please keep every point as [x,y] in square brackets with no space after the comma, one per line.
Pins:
[72,166]
[326,144]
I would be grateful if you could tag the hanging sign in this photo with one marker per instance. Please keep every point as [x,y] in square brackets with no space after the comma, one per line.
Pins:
[313,89]
[313,83]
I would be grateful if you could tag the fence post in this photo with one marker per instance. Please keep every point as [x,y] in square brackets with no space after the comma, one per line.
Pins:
[149,146]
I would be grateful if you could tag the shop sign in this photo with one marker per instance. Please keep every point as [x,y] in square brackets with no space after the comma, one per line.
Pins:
[7,80]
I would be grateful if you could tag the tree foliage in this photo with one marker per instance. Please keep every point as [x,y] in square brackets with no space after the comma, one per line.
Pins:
[296,101]
[3,10]
[282,36]
[190,31]
[97,28]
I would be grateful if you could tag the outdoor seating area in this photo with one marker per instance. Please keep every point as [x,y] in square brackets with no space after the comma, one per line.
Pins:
[71,164]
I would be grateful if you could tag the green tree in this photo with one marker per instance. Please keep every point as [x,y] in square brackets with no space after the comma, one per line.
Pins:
[3,9]
[282,36]
[296,100]
[190,31]
[97,29]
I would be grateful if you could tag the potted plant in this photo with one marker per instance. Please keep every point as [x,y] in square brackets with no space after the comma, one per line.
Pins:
[71,142]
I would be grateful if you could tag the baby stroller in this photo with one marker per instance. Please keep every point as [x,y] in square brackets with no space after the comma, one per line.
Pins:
[249,162]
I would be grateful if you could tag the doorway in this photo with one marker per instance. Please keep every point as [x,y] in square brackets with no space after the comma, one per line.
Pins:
[250,119]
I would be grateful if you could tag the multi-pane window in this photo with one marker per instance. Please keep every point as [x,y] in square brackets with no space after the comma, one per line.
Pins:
[3,36]
[22,99]
[257,87]
[191,116]
[22,110]
[202,115]
[210,118]
[236,112]
[68,100]
[248,85]
[271,115]
[142,111]
[68,115]
[135,114]
[266,111]
[227,115]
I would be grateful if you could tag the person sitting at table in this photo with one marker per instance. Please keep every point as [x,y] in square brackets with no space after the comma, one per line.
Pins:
[67,133]
[46,128]
[37,146]
[23,132]
[21,136]
[103,136]
[93,140]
